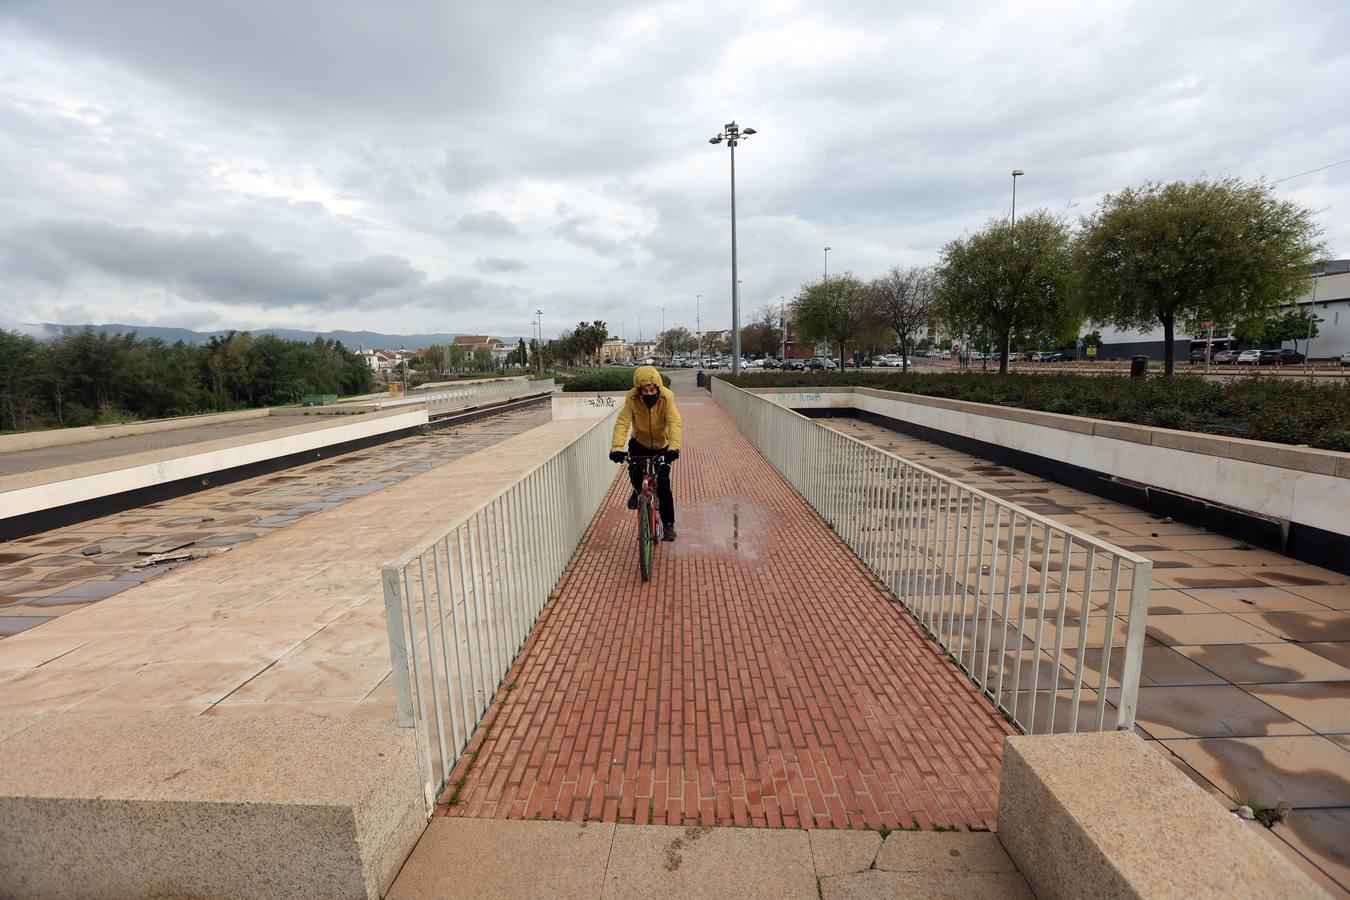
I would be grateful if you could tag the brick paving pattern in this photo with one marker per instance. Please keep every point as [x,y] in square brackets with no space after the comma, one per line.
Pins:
[763,677]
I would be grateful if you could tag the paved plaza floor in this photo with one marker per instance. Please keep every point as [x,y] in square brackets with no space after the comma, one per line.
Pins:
[49,574]
[1246,672]
[763,677]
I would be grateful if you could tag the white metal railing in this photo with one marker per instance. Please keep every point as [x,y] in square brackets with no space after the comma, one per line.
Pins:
[445,399]
[1027,607]
[460,606]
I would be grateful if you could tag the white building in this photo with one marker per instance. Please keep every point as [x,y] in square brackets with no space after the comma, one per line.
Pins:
[1328,295]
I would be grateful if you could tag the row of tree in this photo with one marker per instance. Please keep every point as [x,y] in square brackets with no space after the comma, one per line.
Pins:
[87,377]
[1183,254]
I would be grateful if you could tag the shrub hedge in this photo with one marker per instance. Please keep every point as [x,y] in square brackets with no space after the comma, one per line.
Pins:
[1268,409]
[604,379]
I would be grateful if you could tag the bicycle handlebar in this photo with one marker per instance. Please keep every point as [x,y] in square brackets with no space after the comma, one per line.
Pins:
[658,458]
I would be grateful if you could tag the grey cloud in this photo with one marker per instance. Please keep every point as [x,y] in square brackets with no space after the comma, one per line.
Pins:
[464,170]
[220,267]
[489,222]
[579,229]
[491,264]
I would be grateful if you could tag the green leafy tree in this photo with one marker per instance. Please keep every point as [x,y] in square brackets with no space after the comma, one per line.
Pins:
[1222,250]
[1003,288]
[833,311]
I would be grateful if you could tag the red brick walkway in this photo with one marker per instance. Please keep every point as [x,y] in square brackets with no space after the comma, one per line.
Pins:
[763,677]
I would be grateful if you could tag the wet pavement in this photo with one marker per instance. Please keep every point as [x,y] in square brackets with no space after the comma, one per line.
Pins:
[763,677]
[46,575]
[1246,672]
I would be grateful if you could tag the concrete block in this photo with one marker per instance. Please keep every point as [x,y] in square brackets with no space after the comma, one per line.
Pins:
[1102,815]
[118,806]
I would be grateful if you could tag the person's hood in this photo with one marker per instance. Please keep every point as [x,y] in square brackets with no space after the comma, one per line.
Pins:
[646,375]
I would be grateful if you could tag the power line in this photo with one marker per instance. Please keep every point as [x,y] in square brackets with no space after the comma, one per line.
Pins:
[1310,171]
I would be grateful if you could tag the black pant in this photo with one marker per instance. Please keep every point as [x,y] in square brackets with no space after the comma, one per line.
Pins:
[664,497]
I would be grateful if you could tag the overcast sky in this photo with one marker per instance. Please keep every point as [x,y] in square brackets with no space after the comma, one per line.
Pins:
[441,166]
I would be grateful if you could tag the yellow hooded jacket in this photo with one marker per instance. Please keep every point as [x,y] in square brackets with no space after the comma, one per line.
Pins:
[656,427]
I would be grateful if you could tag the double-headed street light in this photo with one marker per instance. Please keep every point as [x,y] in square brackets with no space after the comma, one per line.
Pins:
[732,134]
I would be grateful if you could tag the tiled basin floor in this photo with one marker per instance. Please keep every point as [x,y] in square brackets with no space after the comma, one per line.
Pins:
[45,575]
[1246,676]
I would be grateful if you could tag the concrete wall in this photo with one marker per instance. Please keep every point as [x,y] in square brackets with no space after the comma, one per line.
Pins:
[586,406]
[62,487]
[60,437]
[1291,484]
[1102,815]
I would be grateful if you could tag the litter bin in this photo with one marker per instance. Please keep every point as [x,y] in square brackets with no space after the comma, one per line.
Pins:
[699,378]
[1138,366]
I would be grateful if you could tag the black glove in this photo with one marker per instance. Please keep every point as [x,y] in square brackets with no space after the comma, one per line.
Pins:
[616,456]
[671,455]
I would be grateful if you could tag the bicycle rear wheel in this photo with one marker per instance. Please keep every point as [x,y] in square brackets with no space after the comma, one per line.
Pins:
[646,537]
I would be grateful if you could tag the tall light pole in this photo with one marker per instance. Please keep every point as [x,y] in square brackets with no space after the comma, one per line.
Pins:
[782,326]
[540,314]
[827,299]
[665,336]
[732,134]
[1007,349]
[698,328]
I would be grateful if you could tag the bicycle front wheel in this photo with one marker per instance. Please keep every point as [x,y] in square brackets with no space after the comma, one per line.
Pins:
[646,537]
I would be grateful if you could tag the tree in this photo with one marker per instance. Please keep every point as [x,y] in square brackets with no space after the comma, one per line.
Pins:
[675,340]
[762,337]
[1007,288]
[835,310]
[903,302]
[1220,250]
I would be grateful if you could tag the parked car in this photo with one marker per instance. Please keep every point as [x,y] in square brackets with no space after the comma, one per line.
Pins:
[1279,358]
[1248,357]
[794,365]
[821,363]
[1225,357]
[1345,359]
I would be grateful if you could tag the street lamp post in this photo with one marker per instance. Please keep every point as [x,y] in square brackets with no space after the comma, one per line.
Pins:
[540,314]
[732,134]
[698,328]
[782,327]
[1007,348]
[827,298]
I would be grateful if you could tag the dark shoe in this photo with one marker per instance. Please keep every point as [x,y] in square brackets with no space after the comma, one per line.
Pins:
[669,530]
[632,500]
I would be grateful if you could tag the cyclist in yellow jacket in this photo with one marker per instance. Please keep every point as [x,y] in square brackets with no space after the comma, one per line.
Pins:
[649,409]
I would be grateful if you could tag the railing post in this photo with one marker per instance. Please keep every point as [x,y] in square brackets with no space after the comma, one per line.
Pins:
[398,646]
[1134,646]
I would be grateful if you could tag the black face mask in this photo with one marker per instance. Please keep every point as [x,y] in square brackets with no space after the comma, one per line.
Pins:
[650,399]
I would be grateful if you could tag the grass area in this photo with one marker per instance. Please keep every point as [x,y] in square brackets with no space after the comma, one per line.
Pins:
[1284,412]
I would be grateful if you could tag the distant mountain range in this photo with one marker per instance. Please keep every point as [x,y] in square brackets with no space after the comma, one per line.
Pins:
[372,340]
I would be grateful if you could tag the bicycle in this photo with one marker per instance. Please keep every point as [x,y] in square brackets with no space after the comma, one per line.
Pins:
[649,519]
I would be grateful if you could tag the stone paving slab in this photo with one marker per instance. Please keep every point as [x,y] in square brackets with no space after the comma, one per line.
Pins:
[497,860]
[507,860]
[763,677]
[293,620]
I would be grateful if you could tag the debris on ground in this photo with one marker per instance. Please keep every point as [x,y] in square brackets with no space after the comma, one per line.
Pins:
[167,547]
[92,550]
[174,556]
